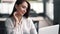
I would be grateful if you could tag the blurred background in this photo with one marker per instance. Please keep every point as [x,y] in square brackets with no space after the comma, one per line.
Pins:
[43,12]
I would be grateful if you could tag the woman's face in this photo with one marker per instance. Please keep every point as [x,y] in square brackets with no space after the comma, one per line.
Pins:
[22,8]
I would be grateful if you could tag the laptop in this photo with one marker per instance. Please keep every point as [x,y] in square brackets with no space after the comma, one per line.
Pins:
[54,29]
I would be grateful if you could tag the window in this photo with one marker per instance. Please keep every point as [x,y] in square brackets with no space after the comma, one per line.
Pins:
[7,1]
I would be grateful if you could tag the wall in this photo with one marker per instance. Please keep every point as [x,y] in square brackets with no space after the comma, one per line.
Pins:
[6,8]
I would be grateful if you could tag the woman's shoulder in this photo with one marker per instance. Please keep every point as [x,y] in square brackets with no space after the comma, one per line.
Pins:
[29,19]
[9,19]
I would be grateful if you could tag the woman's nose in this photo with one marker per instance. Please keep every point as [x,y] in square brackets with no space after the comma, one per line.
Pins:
[24,10]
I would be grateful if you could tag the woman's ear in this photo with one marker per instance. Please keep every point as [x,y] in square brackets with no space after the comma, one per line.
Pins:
[16,6]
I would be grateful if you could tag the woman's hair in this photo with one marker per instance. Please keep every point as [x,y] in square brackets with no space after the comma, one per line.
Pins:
[20,2]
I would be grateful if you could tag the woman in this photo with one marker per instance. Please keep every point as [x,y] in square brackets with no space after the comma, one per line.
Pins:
[18,22]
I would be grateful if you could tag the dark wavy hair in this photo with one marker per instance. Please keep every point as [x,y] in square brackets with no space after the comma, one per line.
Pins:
[20,2]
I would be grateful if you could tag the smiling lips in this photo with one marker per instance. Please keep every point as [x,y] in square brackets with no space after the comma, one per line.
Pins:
[22,12]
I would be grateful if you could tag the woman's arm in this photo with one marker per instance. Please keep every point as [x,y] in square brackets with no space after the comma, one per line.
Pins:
[8,25]
[33,29]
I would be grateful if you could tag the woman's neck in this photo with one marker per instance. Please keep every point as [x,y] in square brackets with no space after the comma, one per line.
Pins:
[19,18]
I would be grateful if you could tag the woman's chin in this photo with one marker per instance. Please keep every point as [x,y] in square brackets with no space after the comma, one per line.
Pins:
[21,14]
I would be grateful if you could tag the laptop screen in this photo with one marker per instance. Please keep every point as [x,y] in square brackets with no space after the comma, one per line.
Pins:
[54,29]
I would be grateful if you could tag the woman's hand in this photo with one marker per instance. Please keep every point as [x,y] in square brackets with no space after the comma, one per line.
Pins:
[16,18]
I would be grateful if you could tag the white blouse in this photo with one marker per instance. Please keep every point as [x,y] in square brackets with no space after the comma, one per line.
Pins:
[27,26]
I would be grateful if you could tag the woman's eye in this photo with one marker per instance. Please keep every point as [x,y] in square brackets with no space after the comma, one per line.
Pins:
[24,7]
